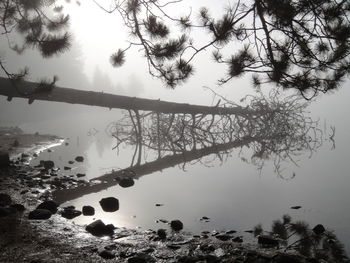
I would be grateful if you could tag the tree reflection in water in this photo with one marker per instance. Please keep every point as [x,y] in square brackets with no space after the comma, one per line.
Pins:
[273,128]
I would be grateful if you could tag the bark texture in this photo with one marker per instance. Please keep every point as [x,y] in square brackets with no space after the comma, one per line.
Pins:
[27,90]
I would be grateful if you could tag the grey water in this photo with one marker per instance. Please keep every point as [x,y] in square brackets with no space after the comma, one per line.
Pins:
[232,192]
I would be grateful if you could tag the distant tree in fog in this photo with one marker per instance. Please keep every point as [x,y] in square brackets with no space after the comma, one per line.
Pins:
[298,44]
[103,82]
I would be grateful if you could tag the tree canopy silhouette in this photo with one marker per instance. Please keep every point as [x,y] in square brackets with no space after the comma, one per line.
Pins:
[40,23]
[298,44]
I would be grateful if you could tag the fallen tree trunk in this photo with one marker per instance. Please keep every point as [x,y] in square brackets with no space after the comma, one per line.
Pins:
[100,99]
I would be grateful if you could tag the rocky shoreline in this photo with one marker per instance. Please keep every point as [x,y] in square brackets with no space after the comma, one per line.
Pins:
[35,229]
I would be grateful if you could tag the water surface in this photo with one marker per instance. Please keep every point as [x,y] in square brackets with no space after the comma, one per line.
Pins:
[233,192]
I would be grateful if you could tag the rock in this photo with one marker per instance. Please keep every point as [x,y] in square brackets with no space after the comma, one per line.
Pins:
[319,229]
[253,257]
[80,175]
[148,250]
[18,207]
[188,259]
[98,228]
[66,168]
[141,258]
[173,246]
[49,205]
[200,258]
[267,241]
[211,259]
[161,233]
[4,159]
[111,247]
[207,248]
[285,258]
[6,211]
[238,240]
[223,237]
[88,210]
[5,199]
[126,182]
[70,213]
[45,176]
[39,214]
[70,162]
[176,225]
[79,159]
[106,254]
[109,204]
[48,164]
[110,228]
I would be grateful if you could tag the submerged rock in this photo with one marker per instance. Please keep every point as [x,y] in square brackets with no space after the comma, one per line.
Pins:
[88,210]
[98,228]
[5,199]
[49,205]
[39,214]
[79,159]
[176,225]
[109,204]
[126,182]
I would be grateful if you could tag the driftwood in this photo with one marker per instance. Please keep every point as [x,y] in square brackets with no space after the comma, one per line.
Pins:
[27,90]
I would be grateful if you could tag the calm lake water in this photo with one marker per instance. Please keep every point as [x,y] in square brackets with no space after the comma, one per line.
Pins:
[232,191]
